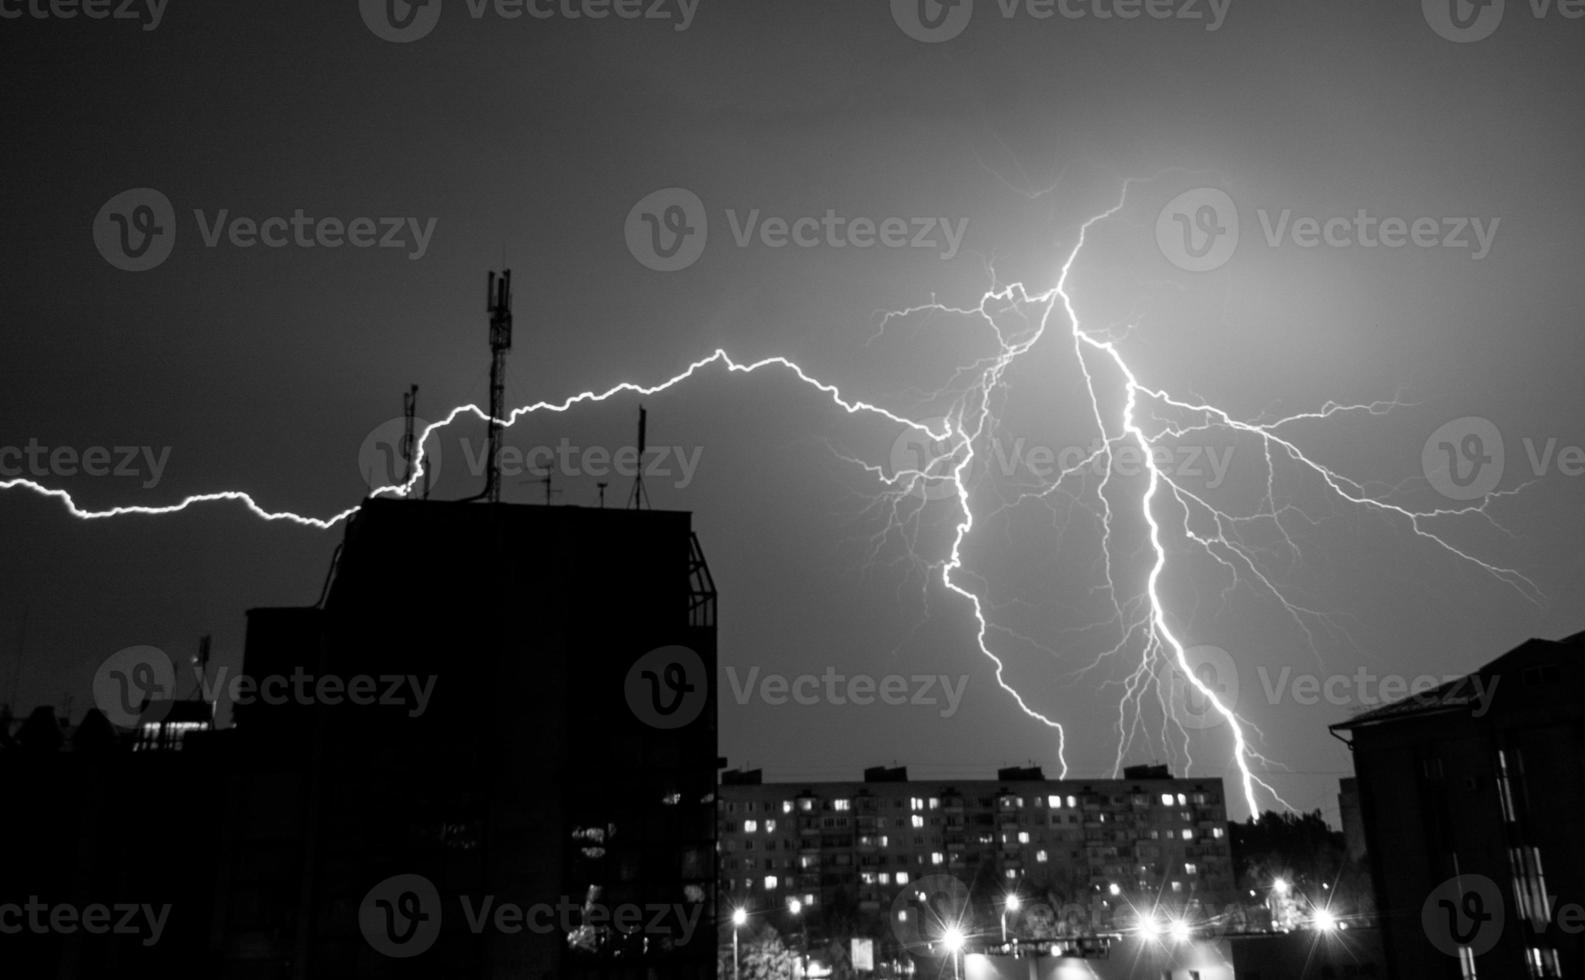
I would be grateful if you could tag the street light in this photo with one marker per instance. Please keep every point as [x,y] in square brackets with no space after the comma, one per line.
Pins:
[739,916]
[1280,886]
[1011,905]
[1324,920]
[952,939]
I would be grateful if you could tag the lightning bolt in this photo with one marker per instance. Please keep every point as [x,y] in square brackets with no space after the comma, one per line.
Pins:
[1149,418]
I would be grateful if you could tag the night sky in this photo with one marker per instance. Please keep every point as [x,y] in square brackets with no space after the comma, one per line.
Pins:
[528,141]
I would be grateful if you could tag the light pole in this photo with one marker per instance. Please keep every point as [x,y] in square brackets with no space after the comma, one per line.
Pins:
[795,909]
[739,916]
[1011,905]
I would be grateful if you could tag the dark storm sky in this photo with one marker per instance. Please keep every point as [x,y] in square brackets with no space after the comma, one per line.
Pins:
[530,140]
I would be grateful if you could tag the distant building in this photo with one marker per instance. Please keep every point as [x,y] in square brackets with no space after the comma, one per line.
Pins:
[1115,848]
[1470,796]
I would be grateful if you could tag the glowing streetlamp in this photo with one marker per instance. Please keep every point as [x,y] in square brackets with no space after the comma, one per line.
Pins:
[739,916]
[1324,920]
[952,939]
[1280,886]
[1011,905]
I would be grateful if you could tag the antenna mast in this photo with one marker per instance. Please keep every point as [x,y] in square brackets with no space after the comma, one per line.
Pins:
[639,498]
[498,293]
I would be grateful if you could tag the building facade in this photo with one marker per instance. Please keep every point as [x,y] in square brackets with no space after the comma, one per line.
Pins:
[1470,795]
[1097,855]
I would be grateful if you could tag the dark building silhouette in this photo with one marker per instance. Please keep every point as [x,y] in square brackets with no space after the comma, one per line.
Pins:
[1470,796]
[503,762]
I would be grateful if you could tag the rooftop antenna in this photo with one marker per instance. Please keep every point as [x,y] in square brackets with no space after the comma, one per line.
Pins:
[639,498]
[498,297]
[410,440]
[602,487]
[545,481]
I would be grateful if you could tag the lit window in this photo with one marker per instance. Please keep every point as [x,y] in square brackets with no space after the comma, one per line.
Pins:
[1166,799]
[770,826]
[1054,801]
[915,803]
[839,804]
[902,877]
[1216,832]
[1012,872]
[885,840]
[809,899]
[1188,834]
[886,877]
[936,857]
[770,882]
[1182,799]
[867,877]
[1191,870]
[935,803]
[806,804]
[786,806]
[1177,886]
[749,826]
[918,821]
[1023,837]
[1073,801]
[1040,856]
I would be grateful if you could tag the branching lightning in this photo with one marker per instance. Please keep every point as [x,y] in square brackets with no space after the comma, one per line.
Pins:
[1148,417]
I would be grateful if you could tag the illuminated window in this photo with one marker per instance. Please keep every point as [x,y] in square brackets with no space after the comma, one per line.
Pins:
[915,803]
[885,840]
[786,806]
[1191,870]
[935,803]
[770,826]
[1012,872]
[918,821]
[1040,856]
[1216,832]
[1188,834]
[1177,886]
[886,877]
[902,877]
[1166,799]
[1054,801]
[806,804]
[770,882]
[1073,801]
[839,804]
[1182,799]
[1023,837]
[867,877]
[749,826]
[936,857]
[809,900]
